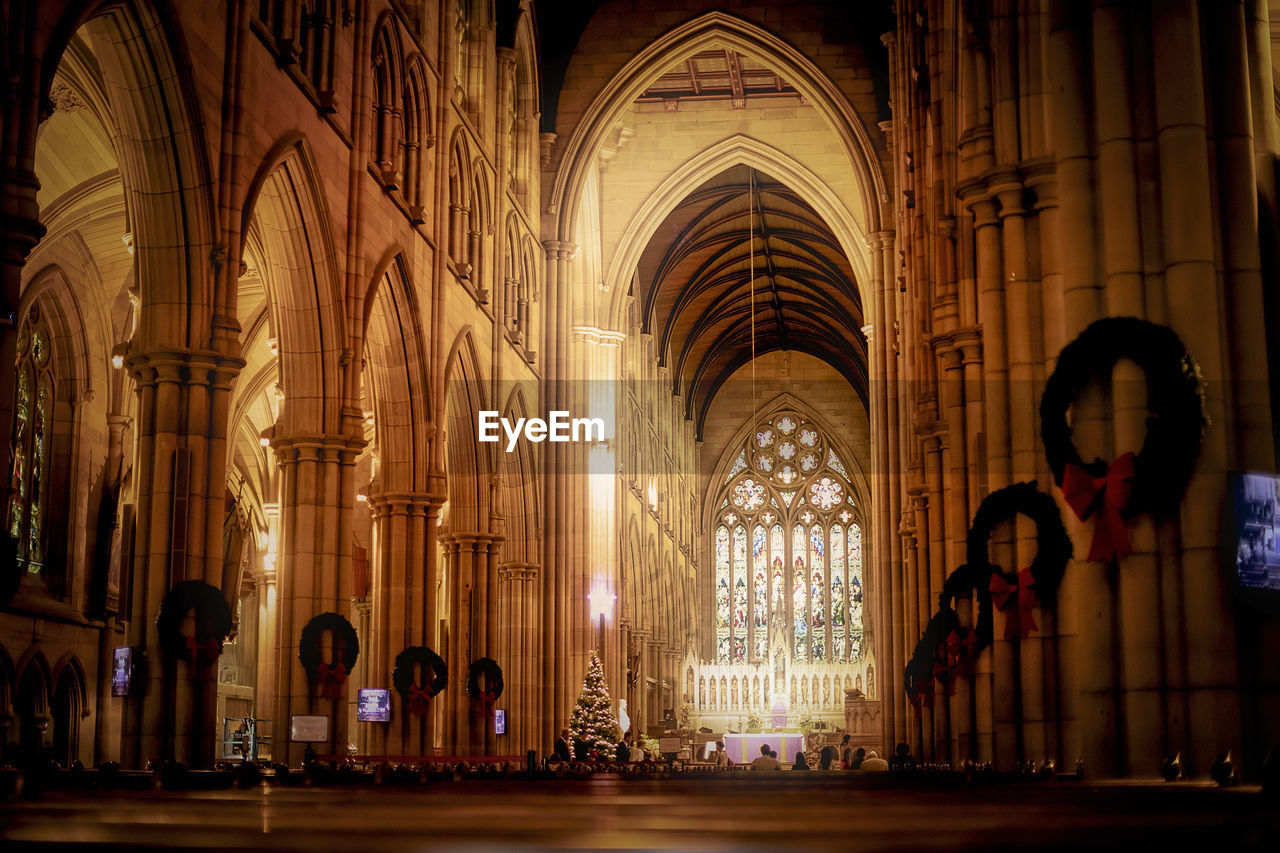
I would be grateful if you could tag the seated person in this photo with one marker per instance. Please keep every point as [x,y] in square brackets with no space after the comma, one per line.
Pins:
[720,757]
[873,763]
[801,763]
[766,761]
[828,757]
[858,757]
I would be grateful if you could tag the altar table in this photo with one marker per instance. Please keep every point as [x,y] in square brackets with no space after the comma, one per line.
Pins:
[746,748]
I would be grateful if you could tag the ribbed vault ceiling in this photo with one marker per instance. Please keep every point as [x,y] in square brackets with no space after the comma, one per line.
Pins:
[695,286]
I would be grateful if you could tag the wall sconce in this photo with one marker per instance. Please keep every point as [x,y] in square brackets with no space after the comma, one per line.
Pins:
[273,347]
[264,437]
[118,352]
[279,393]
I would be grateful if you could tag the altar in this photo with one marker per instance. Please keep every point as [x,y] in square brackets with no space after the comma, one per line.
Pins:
[743,749]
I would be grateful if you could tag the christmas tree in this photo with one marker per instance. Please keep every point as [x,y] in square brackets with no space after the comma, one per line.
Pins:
[592,719]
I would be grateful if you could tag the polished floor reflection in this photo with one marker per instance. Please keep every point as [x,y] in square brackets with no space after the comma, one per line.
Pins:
[819,812]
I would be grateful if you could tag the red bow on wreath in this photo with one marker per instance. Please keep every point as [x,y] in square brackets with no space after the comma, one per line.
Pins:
[205,650]
[922,693]
[962,650]
[419,700]
[944,670]
[331,677]
[482,703]
[1111,494]
[1021,594]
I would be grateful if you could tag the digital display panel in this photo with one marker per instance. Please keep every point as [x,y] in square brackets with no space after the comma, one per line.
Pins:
[373,705]
[121,671]
[1257,536]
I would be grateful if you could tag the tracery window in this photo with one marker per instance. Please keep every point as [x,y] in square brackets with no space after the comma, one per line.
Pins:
[787,547]
[32,434]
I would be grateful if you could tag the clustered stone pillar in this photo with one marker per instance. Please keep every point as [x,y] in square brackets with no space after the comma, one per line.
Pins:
[1053,167]
[472,558]
[314,575]
[178,536]
[519,645]
[403,581]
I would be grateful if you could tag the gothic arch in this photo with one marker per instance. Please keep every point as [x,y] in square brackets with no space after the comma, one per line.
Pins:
[164,163]
[786,400]
[717,29]
[395,365]
[285,209]
[31,699]
[467,462]
[68,705]
[788,540]
[631,568]
[520,494]
[732,151]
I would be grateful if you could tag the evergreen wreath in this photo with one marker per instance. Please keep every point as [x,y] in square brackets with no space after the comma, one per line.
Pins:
[328,676]
[492,680]
[212,616]
[403,677]
[946,649]
[1155,478]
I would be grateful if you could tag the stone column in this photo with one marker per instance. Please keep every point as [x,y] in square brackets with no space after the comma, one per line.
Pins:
[314,576]
[402,597]
[472,606]
[519,606]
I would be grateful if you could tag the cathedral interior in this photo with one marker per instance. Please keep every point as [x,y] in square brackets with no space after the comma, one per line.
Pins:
[932,347]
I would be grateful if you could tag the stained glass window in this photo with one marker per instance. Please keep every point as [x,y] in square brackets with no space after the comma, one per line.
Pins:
[759,591]
[739,465]
[825,493]
[778,595]
[722,593]
[818,591]
[799,603]
[32,432]
[792,498]
[838,603]
[748,495]
[739,592]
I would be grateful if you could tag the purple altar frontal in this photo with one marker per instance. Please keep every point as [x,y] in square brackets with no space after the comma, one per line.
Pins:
[746,748]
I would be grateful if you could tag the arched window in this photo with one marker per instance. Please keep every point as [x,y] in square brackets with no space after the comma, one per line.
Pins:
[387,130]
[417,139]
[32,437]
[790,489]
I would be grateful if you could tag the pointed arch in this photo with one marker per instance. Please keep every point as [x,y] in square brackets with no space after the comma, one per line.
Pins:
[395,368]
[418,118]
[460,188]
[162,156]
[736,150]
[467,463]
[286,210]
[34,685]
[721,30]
[387,58]
[521,498]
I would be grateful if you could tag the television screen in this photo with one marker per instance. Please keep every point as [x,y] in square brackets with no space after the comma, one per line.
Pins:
[500,722]
[373,705]
[121,671]
[1257,542]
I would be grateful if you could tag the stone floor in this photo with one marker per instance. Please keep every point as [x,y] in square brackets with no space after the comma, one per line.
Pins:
[820,812]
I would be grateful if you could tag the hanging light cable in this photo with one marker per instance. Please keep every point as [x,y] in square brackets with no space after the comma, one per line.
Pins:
[751,280]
